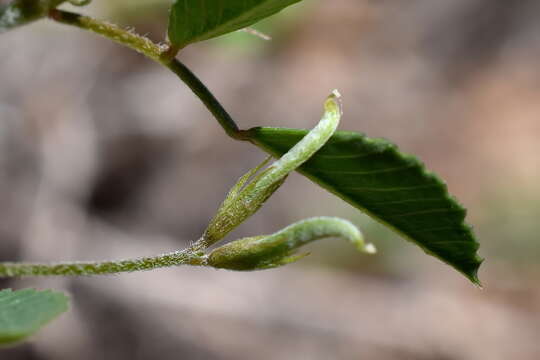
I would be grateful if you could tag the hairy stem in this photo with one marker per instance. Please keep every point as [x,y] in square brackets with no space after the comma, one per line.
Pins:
[162,54]
[185,257]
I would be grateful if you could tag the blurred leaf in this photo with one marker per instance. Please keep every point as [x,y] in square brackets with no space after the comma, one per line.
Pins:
[23,312]
[21,12]
[195,20]
[394,188]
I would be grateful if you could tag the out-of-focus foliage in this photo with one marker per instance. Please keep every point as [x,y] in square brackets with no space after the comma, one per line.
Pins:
[23,312]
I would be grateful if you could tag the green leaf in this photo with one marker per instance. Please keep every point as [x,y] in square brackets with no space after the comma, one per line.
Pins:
[392,187]
[23,312]
[197,20]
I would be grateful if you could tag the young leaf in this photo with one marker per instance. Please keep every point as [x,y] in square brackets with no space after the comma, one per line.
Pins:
[245,198]
[23,312]
[394,188]
[264,252]
[197,20]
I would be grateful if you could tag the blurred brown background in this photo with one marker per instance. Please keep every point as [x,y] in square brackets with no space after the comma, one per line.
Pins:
[106,155]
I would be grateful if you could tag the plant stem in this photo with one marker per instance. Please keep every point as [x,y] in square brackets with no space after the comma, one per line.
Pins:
[185,257]
[162,54]
[113,32]
[207,98]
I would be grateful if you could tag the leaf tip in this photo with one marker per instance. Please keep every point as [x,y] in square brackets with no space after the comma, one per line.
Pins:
[473,274]
[369,249]
[333,103]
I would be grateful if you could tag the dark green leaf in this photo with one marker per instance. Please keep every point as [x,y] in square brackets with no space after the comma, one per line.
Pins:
[394,188]
[24,312]
[196,20]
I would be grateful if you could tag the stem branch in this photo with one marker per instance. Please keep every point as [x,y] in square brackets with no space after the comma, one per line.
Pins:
[207,98]
[162,54]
